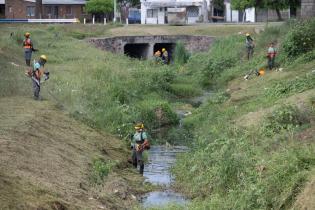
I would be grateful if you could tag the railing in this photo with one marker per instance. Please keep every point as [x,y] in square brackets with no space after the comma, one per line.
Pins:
[74,20]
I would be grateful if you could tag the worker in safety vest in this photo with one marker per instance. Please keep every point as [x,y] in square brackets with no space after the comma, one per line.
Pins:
[271,56]
[139,143]
[37,73]
[157,56]
[164,56]
[250,45]
[28,48]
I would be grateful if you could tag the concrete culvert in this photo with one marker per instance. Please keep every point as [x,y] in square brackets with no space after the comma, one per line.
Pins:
[137,50]
[143,47]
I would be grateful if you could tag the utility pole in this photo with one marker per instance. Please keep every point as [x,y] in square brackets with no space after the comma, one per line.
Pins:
[114,11]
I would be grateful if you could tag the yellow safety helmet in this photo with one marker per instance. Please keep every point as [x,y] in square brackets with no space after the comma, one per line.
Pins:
[43,57]
[247,34]
[139,126]
[163,49]
[27,34]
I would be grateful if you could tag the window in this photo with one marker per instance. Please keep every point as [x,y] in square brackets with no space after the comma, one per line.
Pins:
[192,11]
[30,11]
[68,10]
[10,9]
[152,13]
[48,10]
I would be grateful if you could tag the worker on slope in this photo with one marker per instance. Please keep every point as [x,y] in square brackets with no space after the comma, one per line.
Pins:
[138,144]
[36,74]
[250,45]
[271,55]
[28,48]
[165,58]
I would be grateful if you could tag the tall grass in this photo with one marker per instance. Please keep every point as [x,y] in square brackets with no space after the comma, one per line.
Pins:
[232,167]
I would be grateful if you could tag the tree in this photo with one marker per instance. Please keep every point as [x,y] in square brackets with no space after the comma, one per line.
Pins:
[99,6]
[279,5]
[242,5]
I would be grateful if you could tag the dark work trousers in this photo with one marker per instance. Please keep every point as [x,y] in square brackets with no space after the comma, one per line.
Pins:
[250,52]
[36,88]
[271,62]
[28,56]
[137,159]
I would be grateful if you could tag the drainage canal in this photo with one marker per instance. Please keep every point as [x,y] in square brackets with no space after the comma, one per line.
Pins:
[157,171]
[143,47]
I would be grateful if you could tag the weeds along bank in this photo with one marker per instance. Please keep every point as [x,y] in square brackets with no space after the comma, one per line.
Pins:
[246,147]
[253,142]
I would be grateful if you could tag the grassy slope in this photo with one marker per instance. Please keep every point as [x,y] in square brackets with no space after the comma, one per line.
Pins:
[53,167]
[85,80]
[47,156]
[234,165]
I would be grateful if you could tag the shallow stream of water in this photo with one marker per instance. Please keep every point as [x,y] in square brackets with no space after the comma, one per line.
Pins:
[157,171]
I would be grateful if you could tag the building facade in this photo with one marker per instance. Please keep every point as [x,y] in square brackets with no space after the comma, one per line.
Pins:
[173,12]
[2,9]
[46,9]
[307,8]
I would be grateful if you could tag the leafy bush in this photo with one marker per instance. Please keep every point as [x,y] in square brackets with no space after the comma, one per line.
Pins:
[181,55]
[285,117]
[185,90]
[300,39]
[219,98]
[100,170]
[297,85]
[155,113]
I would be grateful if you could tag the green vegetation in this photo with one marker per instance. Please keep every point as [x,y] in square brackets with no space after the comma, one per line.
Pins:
[259,165]
[180,54]
[100,170]
[246,150]
[285,117]
[99,6]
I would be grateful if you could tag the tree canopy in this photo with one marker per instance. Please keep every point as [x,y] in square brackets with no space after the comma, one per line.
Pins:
[99,6]
[242,4]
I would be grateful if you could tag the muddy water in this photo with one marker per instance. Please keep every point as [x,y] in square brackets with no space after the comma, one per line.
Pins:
[157,171]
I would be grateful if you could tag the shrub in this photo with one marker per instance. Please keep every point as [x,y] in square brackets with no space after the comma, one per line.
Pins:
[156,113]
[100,169]
[185,90]
[219,98]
[181,55]
[297,85]
[300,39]
[285,117]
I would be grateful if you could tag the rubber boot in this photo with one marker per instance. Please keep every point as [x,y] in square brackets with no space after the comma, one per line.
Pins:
[141,168]
[28,62]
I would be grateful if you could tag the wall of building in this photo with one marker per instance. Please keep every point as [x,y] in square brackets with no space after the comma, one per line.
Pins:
[307,8]
[15,9]
[2,11]
[62,11]
[161,16]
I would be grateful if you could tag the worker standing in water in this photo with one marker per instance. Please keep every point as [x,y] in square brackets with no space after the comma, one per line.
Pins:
[138,144]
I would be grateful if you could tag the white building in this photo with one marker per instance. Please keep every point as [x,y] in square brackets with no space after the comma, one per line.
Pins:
[238,16]
[174,11]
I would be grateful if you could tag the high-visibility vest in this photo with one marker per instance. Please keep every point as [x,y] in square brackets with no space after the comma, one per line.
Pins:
[27,43]
[271,52]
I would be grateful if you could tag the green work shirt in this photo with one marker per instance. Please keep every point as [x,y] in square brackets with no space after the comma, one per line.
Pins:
[137,137]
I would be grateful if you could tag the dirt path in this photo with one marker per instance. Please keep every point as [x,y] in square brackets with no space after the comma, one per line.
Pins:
[45,159]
